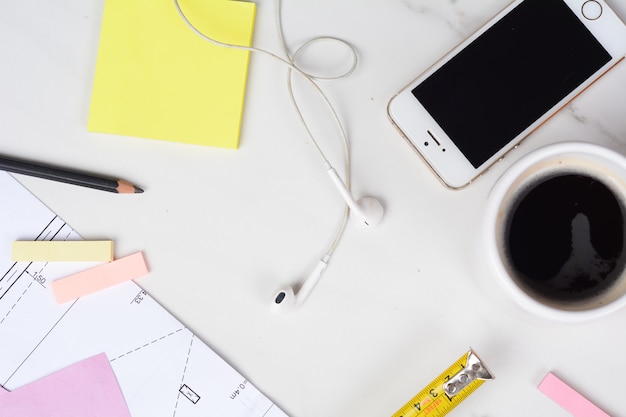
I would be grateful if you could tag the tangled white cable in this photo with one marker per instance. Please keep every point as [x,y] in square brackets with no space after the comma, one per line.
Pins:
[367,211]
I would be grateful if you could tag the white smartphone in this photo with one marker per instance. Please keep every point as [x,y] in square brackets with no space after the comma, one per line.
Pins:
[479,101]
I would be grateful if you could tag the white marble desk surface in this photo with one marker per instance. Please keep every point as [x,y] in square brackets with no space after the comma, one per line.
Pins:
[223,229]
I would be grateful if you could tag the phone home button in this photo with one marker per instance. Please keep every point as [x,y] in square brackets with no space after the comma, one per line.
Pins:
[592,10]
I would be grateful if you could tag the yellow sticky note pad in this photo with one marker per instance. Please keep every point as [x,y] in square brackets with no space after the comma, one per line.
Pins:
[157,79]
[63,251]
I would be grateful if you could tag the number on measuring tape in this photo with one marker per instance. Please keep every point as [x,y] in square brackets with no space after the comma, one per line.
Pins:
[449,389]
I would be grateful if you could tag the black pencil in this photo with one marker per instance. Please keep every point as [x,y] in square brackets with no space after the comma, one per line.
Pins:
[66,176]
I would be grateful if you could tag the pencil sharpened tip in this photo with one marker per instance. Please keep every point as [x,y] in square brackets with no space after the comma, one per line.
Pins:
[124,187]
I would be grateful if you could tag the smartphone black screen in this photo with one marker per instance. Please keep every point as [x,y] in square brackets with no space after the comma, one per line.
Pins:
[510,76]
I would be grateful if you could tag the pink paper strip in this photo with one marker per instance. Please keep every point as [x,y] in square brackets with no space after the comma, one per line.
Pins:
[98,278]
[88,388]
[568,398]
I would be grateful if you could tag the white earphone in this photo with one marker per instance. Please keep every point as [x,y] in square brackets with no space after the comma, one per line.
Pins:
[286,299]
[367,211]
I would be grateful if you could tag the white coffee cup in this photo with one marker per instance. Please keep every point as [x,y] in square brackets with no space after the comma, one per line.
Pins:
[599,163]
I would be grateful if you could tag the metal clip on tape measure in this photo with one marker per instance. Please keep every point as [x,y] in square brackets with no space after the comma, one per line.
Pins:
[449,389]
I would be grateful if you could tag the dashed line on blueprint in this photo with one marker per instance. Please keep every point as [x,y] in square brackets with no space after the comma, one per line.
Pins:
[148,344]
[182,380]
[16,302]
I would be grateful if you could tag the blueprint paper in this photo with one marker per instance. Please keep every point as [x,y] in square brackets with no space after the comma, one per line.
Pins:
[162,368]
[87,388]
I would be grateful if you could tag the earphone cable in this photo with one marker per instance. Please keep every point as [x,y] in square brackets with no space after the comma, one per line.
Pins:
[290,62]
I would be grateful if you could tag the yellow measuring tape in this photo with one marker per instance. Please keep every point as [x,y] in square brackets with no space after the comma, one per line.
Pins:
[449,389]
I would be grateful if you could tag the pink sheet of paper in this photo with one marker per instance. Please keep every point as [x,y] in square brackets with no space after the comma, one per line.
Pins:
[568,398]
[88,388]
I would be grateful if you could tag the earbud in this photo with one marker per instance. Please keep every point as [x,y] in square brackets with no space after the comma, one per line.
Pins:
[367,212]
[286,299]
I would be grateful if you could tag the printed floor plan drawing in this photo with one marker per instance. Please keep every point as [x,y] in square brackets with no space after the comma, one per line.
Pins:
[163,369]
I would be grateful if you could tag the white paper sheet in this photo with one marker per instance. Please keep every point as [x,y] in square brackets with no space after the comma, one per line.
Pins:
[162,367]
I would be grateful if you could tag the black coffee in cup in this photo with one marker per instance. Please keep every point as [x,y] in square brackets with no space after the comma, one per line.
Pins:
[564,237]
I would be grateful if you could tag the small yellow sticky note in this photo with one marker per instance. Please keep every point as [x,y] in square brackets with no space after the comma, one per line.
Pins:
[157,79]
[63,251]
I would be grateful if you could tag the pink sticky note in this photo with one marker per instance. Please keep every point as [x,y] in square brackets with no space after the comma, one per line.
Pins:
[568,398]
[88,388]
[98,278]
